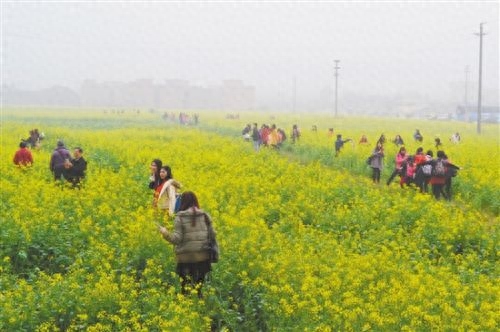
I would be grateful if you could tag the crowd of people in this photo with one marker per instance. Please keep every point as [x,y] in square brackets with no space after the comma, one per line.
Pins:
[193,227]
[192,231]
[269,135]
[183,118]
[62,164]
[414,170]
[423,169]
[419,169]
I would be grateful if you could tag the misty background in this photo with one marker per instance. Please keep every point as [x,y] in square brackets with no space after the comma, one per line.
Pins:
[394,56]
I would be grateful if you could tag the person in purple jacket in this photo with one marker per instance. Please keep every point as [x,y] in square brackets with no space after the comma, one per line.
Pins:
[59,158]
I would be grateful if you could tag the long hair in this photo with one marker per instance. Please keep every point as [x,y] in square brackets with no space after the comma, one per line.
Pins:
[158,164]
[379,147]
[189,201]
[169,172]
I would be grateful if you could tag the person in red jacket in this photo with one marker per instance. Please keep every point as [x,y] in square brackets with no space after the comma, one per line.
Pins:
[23,156]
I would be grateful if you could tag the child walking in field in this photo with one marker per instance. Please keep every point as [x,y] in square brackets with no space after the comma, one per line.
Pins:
[409,172]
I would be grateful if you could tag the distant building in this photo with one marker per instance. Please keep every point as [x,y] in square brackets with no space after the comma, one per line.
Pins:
[237,96]
[172,94]
[488,113]
[53,96]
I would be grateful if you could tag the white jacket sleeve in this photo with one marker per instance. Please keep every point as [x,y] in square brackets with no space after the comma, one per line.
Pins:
[171,199]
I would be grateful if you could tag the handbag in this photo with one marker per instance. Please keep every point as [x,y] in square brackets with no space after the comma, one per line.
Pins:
[212,246]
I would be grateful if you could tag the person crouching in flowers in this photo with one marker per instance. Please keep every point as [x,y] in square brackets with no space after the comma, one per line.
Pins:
[190,238]
[165,192]
[23,156]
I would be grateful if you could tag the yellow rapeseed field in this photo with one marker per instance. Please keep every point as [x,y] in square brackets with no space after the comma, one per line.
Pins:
[308,242]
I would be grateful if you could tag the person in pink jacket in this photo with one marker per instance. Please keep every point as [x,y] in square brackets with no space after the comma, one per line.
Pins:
[400,158]
[409,170]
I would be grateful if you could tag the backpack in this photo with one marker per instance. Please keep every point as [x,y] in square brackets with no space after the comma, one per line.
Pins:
[439,169]
[427,170]
[177,203]
[255,135]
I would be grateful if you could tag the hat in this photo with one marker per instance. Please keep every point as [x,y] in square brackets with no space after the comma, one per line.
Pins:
[60,143]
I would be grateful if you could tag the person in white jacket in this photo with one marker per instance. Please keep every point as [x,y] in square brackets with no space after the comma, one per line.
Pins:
[166,191]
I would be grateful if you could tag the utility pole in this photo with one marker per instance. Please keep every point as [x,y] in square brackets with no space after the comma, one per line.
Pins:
[466,102]
[336,85]
[294,94]
[480,34]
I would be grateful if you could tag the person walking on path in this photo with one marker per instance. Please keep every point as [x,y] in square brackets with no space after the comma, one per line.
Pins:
[255,137]
[399,160]
[376,162]
[440,167]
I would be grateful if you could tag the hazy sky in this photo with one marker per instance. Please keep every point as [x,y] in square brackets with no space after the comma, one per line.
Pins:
[384,47]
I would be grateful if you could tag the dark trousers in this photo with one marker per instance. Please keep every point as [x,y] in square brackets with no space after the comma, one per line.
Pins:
[376,174]
[193,276]
[446,191]
[437,190]
[422,180]
[58,172]
[393,175]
